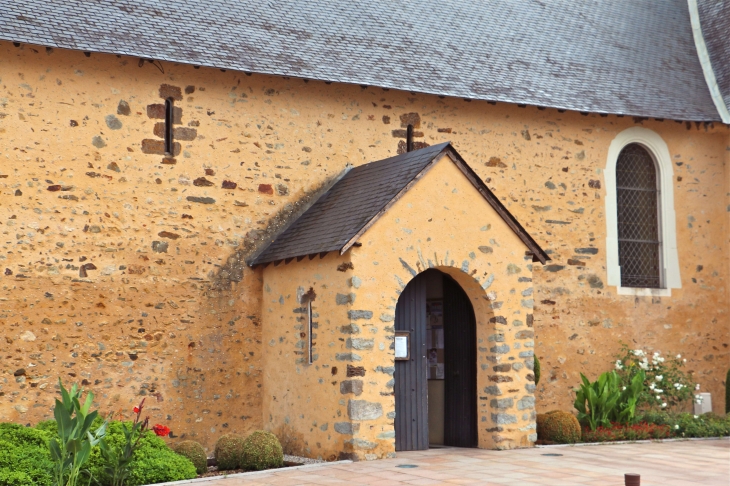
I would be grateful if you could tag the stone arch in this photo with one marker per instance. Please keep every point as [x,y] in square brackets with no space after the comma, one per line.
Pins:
[505,384]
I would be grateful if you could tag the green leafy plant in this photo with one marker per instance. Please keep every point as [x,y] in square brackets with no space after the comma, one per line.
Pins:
[687,425]
[605,400]
[262,450]
[667,386]
[152,460]
[24,456]
[119,459]
[195,453]
[70,451]
[536,369]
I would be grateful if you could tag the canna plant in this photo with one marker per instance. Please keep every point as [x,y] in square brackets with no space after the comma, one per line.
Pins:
[604,401]
[71,450]
[119,460]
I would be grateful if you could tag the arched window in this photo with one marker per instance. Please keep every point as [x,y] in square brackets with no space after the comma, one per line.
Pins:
[641,239]
[637,200]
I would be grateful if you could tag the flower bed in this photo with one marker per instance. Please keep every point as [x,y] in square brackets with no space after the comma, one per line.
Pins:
[619,432]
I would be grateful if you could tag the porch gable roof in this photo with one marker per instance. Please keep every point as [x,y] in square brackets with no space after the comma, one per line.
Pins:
[353,204]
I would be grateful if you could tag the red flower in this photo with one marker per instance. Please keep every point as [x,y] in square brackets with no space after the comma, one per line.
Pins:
[161,430]
[136,410]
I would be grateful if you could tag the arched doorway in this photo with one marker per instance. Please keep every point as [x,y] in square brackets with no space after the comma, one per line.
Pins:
[435,388]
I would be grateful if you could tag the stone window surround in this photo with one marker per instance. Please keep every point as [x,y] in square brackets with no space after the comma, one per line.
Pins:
[654,143]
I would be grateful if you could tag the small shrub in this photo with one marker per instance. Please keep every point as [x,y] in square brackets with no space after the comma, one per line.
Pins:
[229,452]
[153,461]
[291,441]
[558,427]
[621,432]
[24,456]
[686,425]
[536,369]
[49,426]
[262,450]
[604,401]
[195,453]
[667,386]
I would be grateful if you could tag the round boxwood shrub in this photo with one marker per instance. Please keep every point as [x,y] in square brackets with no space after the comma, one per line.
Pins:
[229,452]
[153,462]
[262,450]
[558,427]
[195,453]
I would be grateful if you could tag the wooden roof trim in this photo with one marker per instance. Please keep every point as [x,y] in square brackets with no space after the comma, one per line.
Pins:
[537,251]
[352,241]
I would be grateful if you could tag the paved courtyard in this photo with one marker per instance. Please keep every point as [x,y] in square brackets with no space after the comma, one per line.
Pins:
[666,464]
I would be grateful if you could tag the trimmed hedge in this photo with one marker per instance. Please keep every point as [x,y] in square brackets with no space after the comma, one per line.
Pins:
[262,450]
[24,456]
[558,427]
[195,453]
[229,452]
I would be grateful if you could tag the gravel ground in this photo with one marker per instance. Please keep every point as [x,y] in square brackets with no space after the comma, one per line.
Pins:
[302,460]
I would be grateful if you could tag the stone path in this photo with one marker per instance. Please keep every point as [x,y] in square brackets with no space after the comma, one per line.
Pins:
[666,464]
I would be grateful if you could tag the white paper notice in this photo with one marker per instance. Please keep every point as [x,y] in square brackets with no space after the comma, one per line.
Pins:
[401,346]
[440,371]
[440,338]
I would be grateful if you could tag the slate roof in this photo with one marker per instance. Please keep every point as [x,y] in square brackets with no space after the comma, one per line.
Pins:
[352,204]
[606,56]
[715,22]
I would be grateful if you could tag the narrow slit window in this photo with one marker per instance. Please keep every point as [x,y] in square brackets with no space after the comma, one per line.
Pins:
[169,106]
[637,198]
[409,138]
[310,326]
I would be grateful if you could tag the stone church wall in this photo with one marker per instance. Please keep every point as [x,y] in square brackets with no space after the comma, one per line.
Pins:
[124,270]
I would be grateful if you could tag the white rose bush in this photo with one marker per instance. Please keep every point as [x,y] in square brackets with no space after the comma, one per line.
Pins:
[667,386]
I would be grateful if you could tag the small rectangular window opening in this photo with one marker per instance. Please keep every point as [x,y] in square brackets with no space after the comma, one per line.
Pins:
[168,126]
[310,329]
[409,138]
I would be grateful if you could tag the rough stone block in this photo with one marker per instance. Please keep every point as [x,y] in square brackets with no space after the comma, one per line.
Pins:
[347,357]
[502,368]
[346,428]
[504,418]
[360,343]
[359,314]
[492,390]
[350,329]
[364,410]
[526,403]
[525,334]
[344,299]
[500,349]
[501,403]
[351,386]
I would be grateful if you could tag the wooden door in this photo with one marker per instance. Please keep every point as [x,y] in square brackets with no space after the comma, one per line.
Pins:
[411,386]
[460,356]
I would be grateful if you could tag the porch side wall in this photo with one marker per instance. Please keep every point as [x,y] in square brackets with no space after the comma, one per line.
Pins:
[305,404]
[443,223]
